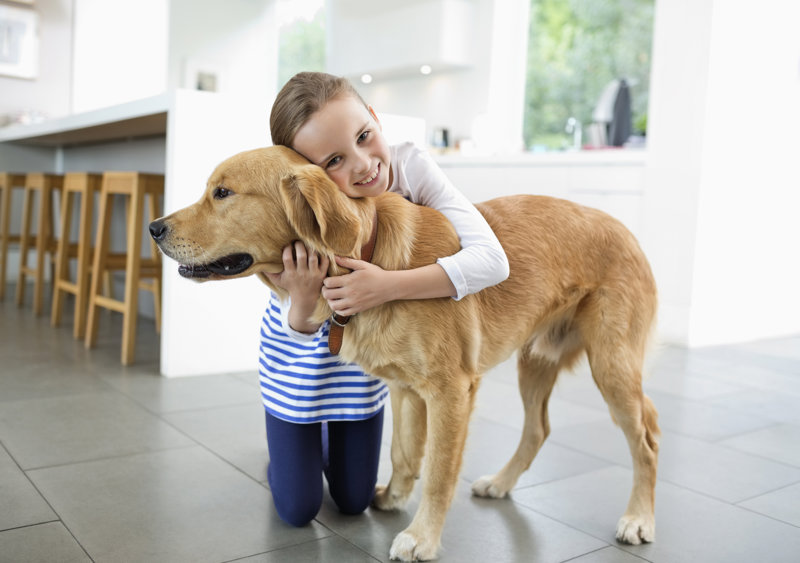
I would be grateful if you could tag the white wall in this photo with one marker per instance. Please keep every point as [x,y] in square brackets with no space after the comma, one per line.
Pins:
[120,52]
[48,93]
[722,185]
[748,233]
[237,39]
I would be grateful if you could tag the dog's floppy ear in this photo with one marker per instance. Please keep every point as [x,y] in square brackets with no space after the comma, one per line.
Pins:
[319,212]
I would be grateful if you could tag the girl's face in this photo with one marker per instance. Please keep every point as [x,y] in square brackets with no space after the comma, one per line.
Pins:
[345,139]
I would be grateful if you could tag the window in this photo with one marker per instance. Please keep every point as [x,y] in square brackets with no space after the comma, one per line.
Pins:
[302,37]
[575,49]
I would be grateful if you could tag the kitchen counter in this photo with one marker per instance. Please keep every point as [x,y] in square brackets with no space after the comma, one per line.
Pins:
[206,328]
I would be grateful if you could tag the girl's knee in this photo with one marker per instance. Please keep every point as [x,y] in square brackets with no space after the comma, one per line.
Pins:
[352,502]
[296,503]
[295,514]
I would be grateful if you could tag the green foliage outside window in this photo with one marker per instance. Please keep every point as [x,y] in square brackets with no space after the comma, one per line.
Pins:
[301,47]
[575,48]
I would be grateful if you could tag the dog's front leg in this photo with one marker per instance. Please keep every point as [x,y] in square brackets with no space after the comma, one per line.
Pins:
[409,427]
[448,419]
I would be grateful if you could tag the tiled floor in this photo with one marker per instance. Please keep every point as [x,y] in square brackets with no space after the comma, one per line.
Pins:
[104,463]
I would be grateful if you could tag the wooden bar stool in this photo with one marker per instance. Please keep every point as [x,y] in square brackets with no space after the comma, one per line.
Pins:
[43,185]
[85,185]
[8,183]
[134,187]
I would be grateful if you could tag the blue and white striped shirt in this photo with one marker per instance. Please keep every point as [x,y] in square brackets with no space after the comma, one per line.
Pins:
[302,382]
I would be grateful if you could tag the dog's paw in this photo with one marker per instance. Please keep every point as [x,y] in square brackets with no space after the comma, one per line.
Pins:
[406,547]
[636,529]
[385,500]
[486,487]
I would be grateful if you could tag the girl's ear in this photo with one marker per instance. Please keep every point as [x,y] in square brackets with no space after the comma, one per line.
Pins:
[322,215]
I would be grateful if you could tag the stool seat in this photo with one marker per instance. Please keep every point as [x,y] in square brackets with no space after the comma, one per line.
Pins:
[134,187]
[8,181]
[44,186]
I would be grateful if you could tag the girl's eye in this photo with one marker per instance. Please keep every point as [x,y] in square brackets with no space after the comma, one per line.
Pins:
[221,193]
[334,161]
[363,136]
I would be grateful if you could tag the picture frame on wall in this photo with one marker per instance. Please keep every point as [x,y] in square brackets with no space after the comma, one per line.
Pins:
[19,41]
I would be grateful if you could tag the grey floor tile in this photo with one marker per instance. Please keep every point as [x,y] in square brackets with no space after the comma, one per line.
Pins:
[77,428]
[672,380]
[689,527]
[476,530]
[178,505]
[500,402]
[326,550]
[698,419]
[37,380]
[163,395]
[45,542]
[703,467]
[778,405]
[608,554]
[490,445]
[21,503]
[783,504]
[236,434]
[780,442]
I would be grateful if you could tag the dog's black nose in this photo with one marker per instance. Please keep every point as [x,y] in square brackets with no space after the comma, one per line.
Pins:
[158,230]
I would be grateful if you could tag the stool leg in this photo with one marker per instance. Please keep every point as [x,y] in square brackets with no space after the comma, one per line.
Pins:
[5,230]
[42,238]
[132,267]
[98,265]
[84,248]
[62,257]
[24,239]
[155,213]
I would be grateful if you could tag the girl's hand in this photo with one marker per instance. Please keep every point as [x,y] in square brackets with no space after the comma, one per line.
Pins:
[365,287]
[302,276]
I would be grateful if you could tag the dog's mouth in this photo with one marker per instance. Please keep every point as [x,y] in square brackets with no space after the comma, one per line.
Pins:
[230,265]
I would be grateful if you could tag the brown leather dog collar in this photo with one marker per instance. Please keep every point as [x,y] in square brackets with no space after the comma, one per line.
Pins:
[338,322]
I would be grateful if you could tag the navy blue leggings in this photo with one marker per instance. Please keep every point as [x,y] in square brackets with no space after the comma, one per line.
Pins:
[299,455]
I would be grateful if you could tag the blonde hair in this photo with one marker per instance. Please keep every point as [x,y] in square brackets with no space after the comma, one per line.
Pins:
[302,96]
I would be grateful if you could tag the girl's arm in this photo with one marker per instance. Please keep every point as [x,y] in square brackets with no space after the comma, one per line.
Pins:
[480,263]
[369,285]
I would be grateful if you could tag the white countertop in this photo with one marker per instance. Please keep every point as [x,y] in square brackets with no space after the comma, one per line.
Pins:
[139,118]
[599,157]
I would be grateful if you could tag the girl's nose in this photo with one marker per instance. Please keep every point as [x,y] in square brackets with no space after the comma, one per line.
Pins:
[364,163]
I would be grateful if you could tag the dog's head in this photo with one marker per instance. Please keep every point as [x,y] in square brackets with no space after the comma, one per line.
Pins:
[256,203]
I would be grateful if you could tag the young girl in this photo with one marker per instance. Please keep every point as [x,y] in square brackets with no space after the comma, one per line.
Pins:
[323,416]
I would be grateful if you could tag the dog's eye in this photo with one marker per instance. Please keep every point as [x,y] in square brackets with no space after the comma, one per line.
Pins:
[220,193]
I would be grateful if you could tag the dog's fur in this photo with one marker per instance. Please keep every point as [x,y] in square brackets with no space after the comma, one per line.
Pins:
[579,283]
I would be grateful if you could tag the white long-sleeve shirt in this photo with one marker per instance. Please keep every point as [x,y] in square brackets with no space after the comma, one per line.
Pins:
[481,262]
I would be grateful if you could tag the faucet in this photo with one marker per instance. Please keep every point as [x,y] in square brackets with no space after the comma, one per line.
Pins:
[575,128]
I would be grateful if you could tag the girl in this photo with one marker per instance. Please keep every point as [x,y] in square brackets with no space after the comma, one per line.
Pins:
[323,416]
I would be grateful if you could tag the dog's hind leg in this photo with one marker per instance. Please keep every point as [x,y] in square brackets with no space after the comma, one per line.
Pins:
[537,375]
[409,427]
[620,381]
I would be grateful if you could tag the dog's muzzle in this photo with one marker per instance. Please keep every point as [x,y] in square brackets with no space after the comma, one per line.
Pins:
[230,265]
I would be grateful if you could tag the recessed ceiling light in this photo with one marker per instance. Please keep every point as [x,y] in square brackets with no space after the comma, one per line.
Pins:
[425,69]
[366,78]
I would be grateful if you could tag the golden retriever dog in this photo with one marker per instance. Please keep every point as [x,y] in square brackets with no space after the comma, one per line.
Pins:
[579,283]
